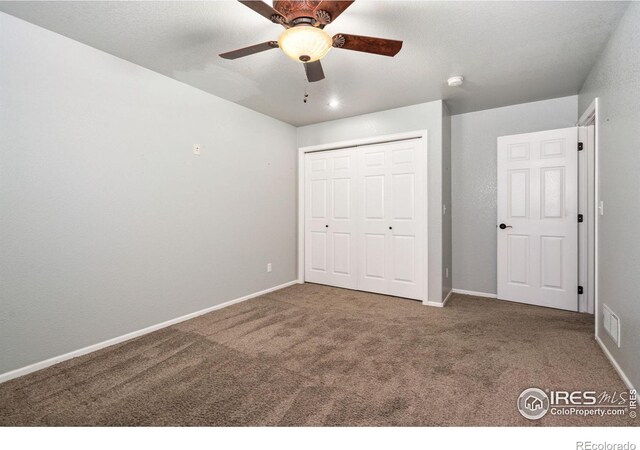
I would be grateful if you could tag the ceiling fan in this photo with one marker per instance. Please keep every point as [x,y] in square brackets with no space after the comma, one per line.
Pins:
[304,39]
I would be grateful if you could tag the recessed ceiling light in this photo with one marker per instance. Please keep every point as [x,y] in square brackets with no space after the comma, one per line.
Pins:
[455,81]
[334,103]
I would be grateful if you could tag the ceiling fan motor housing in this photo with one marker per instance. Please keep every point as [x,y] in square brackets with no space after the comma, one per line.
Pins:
[292,10]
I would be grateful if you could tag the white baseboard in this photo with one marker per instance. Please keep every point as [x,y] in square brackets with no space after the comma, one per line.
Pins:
[474,293]
[438,304]
[125,337]
[615,364]
[430,303]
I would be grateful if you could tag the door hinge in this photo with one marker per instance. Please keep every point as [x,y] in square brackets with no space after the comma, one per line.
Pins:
[580,290]
[580,218]
[580,146]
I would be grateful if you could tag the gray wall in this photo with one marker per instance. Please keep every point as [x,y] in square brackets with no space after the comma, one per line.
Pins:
[474,167]
[108,222]
[615,80]
[424,116]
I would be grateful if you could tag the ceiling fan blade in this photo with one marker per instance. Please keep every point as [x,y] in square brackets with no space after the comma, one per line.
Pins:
[264,10]
[314,71]
[334,8]
[379,46]
[235,54]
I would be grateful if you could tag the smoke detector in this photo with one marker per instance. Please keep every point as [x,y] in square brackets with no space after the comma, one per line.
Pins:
[455,81]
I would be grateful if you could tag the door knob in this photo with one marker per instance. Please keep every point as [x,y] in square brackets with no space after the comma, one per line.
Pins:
[326,226]
[391,228]
[502,226]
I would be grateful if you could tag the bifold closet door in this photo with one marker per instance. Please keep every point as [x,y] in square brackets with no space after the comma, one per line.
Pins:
[330,225]
[392,219]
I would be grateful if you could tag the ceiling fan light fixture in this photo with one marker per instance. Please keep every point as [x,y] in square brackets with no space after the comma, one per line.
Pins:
[305,43]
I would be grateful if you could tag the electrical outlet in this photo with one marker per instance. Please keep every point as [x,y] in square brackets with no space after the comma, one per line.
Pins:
[269,267]
[196,149]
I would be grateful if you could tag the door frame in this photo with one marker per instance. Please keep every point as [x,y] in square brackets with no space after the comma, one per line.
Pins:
[590,244]
[419,134]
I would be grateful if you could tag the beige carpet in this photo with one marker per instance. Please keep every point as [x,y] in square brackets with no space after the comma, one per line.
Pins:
[316,355]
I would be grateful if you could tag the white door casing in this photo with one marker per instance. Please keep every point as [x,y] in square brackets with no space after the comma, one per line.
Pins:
[538,202]
[329,218]
[586,230]
[391,215]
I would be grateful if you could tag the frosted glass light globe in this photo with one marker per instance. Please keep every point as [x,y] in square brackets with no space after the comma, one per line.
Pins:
[305,41]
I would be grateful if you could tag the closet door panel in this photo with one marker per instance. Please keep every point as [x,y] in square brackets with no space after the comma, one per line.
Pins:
[329,212]
[392,219]
[318,251]
[373,196]
[317,179]
[374,257]
[406,257]
[342,225]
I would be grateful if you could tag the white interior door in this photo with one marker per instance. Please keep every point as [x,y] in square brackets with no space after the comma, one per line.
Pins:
[392,222]
[537,217]
[329,218]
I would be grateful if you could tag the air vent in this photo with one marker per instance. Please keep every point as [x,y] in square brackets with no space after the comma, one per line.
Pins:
[611,324]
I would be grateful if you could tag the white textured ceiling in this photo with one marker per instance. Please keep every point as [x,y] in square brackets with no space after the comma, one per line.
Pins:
[508,52]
